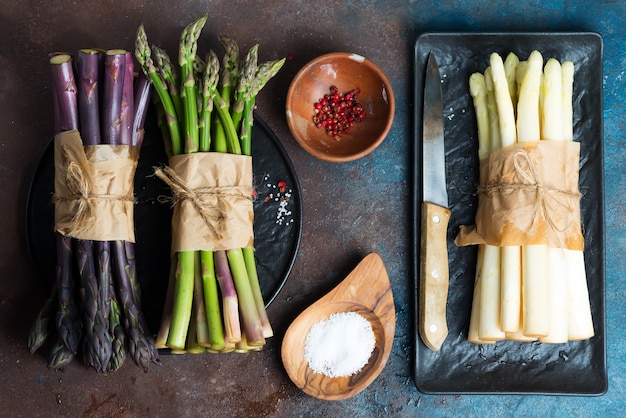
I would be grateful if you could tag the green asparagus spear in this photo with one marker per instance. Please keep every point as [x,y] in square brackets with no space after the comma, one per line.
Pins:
[143,55]
[209,83]
[170,75]
[230,68]
[187,55]
[248,73]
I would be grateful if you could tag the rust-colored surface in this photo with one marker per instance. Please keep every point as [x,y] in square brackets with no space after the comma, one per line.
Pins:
[338,211]
[350,209]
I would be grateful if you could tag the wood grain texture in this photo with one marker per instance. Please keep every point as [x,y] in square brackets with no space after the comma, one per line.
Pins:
[367,291]
[433,289]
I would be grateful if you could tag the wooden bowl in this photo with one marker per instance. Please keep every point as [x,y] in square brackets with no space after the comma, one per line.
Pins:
[366,291]
[346,71]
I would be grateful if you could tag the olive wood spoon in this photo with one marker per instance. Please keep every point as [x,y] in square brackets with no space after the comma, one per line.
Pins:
[367,291]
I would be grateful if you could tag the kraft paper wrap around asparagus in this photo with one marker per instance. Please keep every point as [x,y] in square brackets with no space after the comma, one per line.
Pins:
[204,108]
[93,189]
[528,195]
[530,282]
[212,196]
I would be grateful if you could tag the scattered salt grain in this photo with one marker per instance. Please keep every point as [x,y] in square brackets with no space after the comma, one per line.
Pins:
[281,194]
[339,346]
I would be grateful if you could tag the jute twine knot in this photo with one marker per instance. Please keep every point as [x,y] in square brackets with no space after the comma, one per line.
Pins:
[546,199]
[214,215]
[79,186]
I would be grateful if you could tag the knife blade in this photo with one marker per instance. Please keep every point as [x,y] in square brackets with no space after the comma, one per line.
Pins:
[434,270]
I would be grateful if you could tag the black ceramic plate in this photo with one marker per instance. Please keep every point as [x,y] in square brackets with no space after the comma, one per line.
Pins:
[574,368]
[277,224]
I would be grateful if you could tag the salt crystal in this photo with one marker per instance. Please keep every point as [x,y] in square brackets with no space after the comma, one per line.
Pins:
[339,346]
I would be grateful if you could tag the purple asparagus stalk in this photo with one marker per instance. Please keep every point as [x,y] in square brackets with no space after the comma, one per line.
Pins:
[139,341]
[117,129]
[93,258]
[88,65]
[66,119]
[143,93]
[108,323]
[114,72]
[65,93]
[43,326]
[127,110]
[96,343]
[60,355]
[230,303]
[116,329]
[129,247]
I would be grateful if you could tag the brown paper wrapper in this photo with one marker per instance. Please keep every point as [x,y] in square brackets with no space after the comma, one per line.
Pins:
[212,198]
[528,194]
[93,189]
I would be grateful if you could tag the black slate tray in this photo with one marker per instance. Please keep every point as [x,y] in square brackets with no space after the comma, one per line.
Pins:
[574,368]
[277,234]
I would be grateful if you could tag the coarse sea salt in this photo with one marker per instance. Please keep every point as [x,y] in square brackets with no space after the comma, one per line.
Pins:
[339,346]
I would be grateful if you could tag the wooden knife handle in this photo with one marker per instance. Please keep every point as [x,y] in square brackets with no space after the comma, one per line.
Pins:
[433,289]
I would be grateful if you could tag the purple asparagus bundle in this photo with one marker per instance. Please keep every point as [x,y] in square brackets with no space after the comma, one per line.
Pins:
[95,303]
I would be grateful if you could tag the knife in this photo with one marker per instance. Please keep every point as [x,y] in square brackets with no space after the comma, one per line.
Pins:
[433,289]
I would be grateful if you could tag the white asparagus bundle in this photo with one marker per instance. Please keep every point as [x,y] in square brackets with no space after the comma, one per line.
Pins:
[528,292]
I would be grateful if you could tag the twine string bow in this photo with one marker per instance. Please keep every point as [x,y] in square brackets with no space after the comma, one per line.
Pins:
[79,190]
[549,202]
[213,215]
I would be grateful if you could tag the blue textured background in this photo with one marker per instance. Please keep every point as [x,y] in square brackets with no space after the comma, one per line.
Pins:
[606,18]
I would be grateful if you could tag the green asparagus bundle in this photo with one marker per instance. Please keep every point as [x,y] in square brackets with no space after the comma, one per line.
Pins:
[213,302]
[95,302]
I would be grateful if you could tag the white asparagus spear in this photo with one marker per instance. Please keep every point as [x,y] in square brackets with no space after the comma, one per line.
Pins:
[580,321]
[510,256]
[473,333]
[519,334]
[478,91]
[489,290]
[519,76]
[519,337]
[534,257]
[510,70]
[511,269]
[495,142]
[528,124]
[506,114]
[489,313]
[558,295]
[567,78]
[552,129]
[552,114]
[480,96]
[510,288]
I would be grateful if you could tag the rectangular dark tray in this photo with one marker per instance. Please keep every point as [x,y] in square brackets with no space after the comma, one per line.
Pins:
[574,368]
